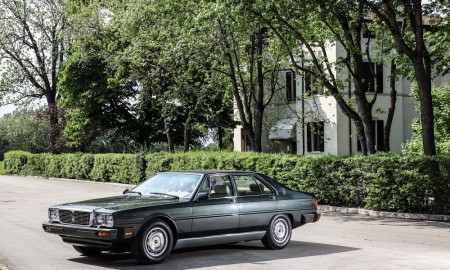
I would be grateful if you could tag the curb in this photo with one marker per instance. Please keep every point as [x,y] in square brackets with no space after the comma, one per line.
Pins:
[371,213]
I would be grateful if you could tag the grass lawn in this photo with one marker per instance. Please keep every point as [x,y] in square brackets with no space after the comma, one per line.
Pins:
[2,171]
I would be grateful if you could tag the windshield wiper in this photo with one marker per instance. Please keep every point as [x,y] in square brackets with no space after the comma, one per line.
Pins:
[164,194]
[132,191]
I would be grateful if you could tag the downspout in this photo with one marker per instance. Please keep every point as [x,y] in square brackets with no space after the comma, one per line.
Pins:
[303,110]
[349,119]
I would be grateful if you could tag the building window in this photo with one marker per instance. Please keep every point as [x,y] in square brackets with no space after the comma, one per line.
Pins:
[315,137]
[378,130]
[312,87]
[368,34]
[291,93]
[372,77]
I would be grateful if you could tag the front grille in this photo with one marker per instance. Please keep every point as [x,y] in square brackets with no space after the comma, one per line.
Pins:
[74,217]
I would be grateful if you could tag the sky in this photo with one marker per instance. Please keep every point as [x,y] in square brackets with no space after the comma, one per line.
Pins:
[6,109]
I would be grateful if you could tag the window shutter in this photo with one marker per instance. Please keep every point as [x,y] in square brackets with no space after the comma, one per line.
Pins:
[380,135]
[289,85]
[379,74]
[321,130]
[307,81]
[308,137]
[294,87]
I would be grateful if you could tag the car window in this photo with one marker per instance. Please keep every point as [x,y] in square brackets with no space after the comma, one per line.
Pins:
[177,184]
[219,186]
[248,185]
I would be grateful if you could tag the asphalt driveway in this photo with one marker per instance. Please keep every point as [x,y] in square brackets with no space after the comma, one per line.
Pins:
[337,241]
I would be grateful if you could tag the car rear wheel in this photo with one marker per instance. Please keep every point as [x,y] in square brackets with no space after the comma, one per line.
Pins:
[88,251]
[278,233]
[154,244]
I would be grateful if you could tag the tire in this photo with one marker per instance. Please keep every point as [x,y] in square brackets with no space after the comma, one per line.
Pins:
[278,232]
[88,251]
[154,244]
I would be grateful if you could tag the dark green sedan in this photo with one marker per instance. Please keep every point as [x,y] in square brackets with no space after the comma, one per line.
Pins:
[174,210]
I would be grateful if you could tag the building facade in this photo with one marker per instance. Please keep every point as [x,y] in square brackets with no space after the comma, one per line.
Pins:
[305,120]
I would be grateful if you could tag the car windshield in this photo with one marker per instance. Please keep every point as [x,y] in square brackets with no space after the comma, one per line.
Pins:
[181,185]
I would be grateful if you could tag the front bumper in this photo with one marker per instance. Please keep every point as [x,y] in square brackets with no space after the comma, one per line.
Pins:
[84,236]
[81,232]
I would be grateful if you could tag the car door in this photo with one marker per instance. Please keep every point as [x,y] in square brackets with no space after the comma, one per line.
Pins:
[257,202]
[219,213]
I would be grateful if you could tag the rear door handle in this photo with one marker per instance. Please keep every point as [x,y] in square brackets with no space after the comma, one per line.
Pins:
[272,197]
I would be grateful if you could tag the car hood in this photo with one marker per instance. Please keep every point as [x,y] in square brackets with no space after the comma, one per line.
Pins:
[116,203]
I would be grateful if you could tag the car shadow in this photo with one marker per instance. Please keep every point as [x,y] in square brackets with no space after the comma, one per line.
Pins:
[250,252]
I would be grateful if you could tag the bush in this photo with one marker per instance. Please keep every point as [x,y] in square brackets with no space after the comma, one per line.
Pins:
[119,168]
[2,170]
[14,161]
[385,182]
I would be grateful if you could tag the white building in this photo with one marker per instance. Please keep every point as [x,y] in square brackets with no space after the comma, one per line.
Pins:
[316,125]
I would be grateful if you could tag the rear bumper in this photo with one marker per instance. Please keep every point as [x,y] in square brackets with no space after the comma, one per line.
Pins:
[84,236]
[309,218]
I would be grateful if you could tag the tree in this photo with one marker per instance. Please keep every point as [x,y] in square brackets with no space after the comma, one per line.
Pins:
[152,78]
[413,26]
[31,51]
[23,130]
[441,110]
[306,30]
[246,57]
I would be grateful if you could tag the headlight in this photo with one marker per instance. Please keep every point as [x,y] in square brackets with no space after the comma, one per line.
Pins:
[53,214]
[104,220]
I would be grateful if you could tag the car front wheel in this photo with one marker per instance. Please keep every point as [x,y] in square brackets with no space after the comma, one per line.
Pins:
[278,233]
[154,244]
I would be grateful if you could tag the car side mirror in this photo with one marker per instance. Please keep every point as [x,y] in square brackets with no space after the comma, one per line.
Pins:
[126,190]
[202,196]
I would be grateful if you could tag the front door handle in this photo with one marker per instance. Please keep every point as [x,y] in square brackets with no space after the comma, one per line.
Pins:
[272,197]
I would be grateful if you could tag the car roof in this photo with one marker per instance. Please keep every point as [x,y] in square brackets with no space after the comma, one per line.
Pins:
[203,172]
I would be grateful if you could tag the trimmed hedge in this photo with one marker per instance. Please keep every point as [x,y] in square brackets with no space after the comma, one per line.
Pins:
[385,182]
[2,170]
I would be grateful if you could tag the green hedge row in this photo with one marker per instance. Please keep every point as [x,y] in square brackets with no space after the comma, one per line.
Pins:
[384,182]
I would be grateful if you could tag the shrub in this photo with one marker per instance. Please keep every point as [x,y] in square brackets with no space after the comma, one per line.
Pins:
[14,161]
[119,168]
[2,170]
[385,182]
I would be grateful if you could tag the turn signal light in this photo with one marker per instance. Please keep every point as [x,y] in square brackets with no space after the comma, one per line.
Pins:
[103,234]
[316,202]
[128,234]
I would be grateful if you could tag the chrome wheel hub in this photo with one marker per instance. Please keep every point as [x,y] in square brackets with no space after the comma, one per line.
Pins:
[280,231]
[156,241]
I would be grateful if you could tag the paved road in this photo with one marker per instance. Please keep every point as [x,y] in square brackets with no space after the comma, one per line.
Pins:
[337,241]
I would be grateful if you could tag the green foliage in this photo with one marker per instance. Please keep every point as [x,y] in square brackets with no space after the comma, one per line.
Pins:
[15,161]
[384,182]
[119,168]
[22,130]
[2,170]
[441,111]
[73,166]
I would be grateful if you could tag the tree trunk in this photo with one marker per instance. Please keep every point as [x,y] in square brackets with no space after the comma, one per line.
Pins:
[362,138]
[220,133]
[54,131]
[170,144]
[390,117]
[259,104]
[426,108]
[187,131]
